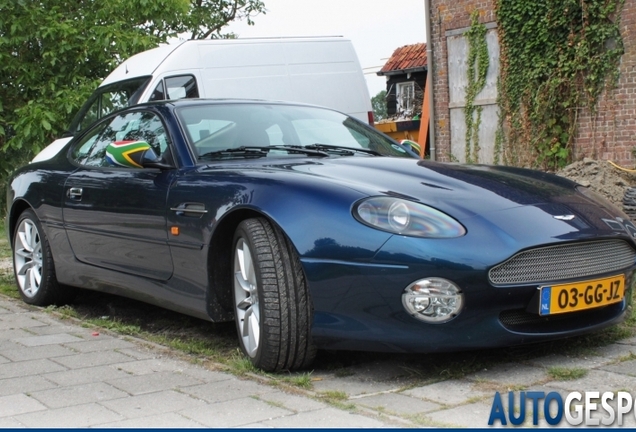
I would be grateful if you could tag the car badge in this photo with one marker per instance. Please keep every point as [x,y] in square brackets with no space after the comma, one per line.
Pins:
[564,217]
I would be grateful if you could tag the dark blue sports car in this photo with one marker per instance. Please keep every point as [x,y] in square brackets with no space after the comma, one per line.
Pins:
[312,230]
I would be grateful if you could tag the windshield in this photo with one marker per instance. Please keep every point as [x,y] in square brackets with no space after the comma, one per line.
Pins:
[221,129]
[107,99]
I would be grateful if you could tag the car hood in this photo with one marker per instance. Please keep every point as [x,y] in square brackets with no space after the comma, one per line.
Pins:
[505,197]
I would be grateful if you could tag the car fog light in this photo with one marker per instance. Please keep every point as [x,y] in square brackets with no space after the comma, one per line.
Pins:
[433,300]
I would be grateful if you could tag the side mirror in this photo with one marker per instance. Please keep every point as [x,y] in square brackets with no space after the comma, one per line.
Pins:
[134,154]
[150,159]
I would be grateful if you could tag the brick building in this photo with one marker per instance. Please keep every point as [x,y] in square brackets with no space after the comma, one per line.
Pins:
[610,135]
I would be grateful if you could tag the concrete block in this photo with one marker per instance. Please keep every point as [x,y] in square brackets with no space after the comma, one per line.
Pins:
[18,404]
[144,367]
[24,384]
[152,404]
[598,380]
[451,392]
[140,384]
[511,374]
[21,353]
[558,360]
[236,413]
[325,418]
[473,416]
[77,395]
[100,343]
[92,359]
[623,368]
[19,320]
[77,416]
[53,339]
[86,375]
[28,368]
[291,402]
[228,390]
[396,404]
[168,420]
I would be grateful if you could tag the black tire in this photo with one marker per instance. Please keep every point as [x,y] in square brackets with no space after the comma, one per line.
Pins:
[272,306]
[33,265]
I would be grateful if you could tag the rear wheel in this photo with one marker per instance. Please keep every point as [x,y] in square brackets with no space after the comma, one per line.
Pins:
[33,265]
[273,310]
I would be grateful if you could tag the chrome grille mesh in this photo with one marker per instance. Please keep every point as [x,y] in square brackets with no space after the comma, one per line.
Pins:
[554,263]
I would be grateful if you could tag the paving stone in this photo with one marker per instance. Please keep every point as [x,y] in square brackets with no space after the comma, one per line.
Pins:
[396,404]
[473,415]
[76,416]
[151,404]
[140,384]
[353,387]
[24,384]
[292,402]
[511,374]
[236,413]
[206,375]
[77,395]
[100,343]
[615,351]
[324,418]
[169,420]
[598,380]
[21,353]
[557,360]
[10,423]
[144,367]
[13,334]
[55,327]
[629,341]
[624,368]
[23,320]
[451,392]
[227,390]
[53,339]
[27,368]
[18,404]
[4,359]
[137,354]
[86,375]
[92,359]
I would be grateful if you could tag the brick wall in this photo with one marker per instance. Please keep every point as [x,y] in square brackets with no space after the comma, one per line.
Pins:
[610,134]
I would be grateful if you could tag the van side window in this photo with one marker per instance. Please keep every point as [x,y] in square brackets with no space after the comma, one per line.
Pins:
[176,87]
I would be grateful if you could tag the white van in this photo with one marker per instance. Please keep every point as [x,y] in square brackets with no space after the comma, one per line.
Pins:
[322,71]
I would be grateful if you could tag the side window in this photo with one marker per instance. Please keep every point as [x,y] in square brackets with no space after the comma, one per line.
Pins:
[131,127]
[176,87]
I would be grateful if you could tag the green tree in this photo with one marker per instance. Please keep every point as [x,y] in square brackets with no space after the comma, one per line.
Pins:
[378,103]
[53,54]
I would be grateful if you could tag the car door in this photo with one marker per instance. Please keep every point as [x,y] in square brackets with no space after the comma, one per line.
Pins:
[115,216]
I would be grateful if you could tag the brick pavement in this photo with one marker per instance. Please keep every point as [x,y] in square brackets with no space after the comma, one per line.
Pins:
[55,373]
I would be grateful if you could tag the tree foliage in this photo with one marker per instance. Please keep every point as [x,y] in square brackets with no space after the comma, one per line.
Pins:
[54,53]
[556,58]
[378,103]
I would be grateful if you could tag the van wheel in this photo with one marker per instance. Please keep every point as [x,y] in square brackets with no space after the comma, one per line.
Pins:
[273,310]
[33,265]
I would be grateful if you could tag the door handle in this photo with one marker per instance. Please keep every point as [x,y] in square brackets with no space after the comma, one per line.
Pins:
[75,193]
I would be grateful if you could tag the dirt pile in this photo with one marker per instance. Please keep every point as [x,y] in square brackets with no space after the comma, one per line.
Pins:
[602,177]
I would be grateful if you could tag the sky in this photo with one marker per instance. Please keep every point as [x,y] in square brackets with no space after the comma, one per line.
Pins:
[375,27]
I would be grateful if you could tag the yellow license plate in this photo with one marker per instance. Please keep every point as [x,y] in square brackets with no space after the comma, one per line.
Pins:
[582,295]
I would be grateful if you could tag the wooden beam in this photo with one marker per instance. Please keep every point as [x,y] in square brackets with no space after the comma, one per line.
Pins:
[425,117]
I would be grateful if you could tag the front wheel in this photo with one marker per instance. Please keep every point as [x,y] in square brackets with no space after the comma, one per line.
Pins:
[33,265]
[272,306]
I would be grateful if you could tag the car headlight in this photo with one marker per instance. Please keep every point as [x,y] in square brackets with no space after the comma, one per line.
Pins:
[408,218]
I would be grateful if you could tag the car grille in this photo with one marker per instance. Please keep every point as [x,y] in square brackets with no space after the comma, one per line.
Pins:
[569,261]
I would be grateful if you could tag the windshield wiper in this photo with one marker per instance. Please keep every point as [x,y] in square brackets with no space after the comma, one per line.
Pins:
[343,150]
[257,152]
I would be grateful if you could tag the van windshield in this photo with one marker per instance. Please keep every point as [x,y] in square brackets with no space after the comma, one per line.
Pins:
[107,99]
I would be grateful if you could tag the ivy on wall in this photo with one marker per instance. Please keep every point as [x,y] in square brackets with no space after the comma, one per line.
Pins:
[556,58]
[478,63]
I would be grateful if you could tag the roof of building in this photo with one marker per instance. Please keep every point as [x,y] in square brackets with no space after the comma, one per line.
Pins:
[409,58]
